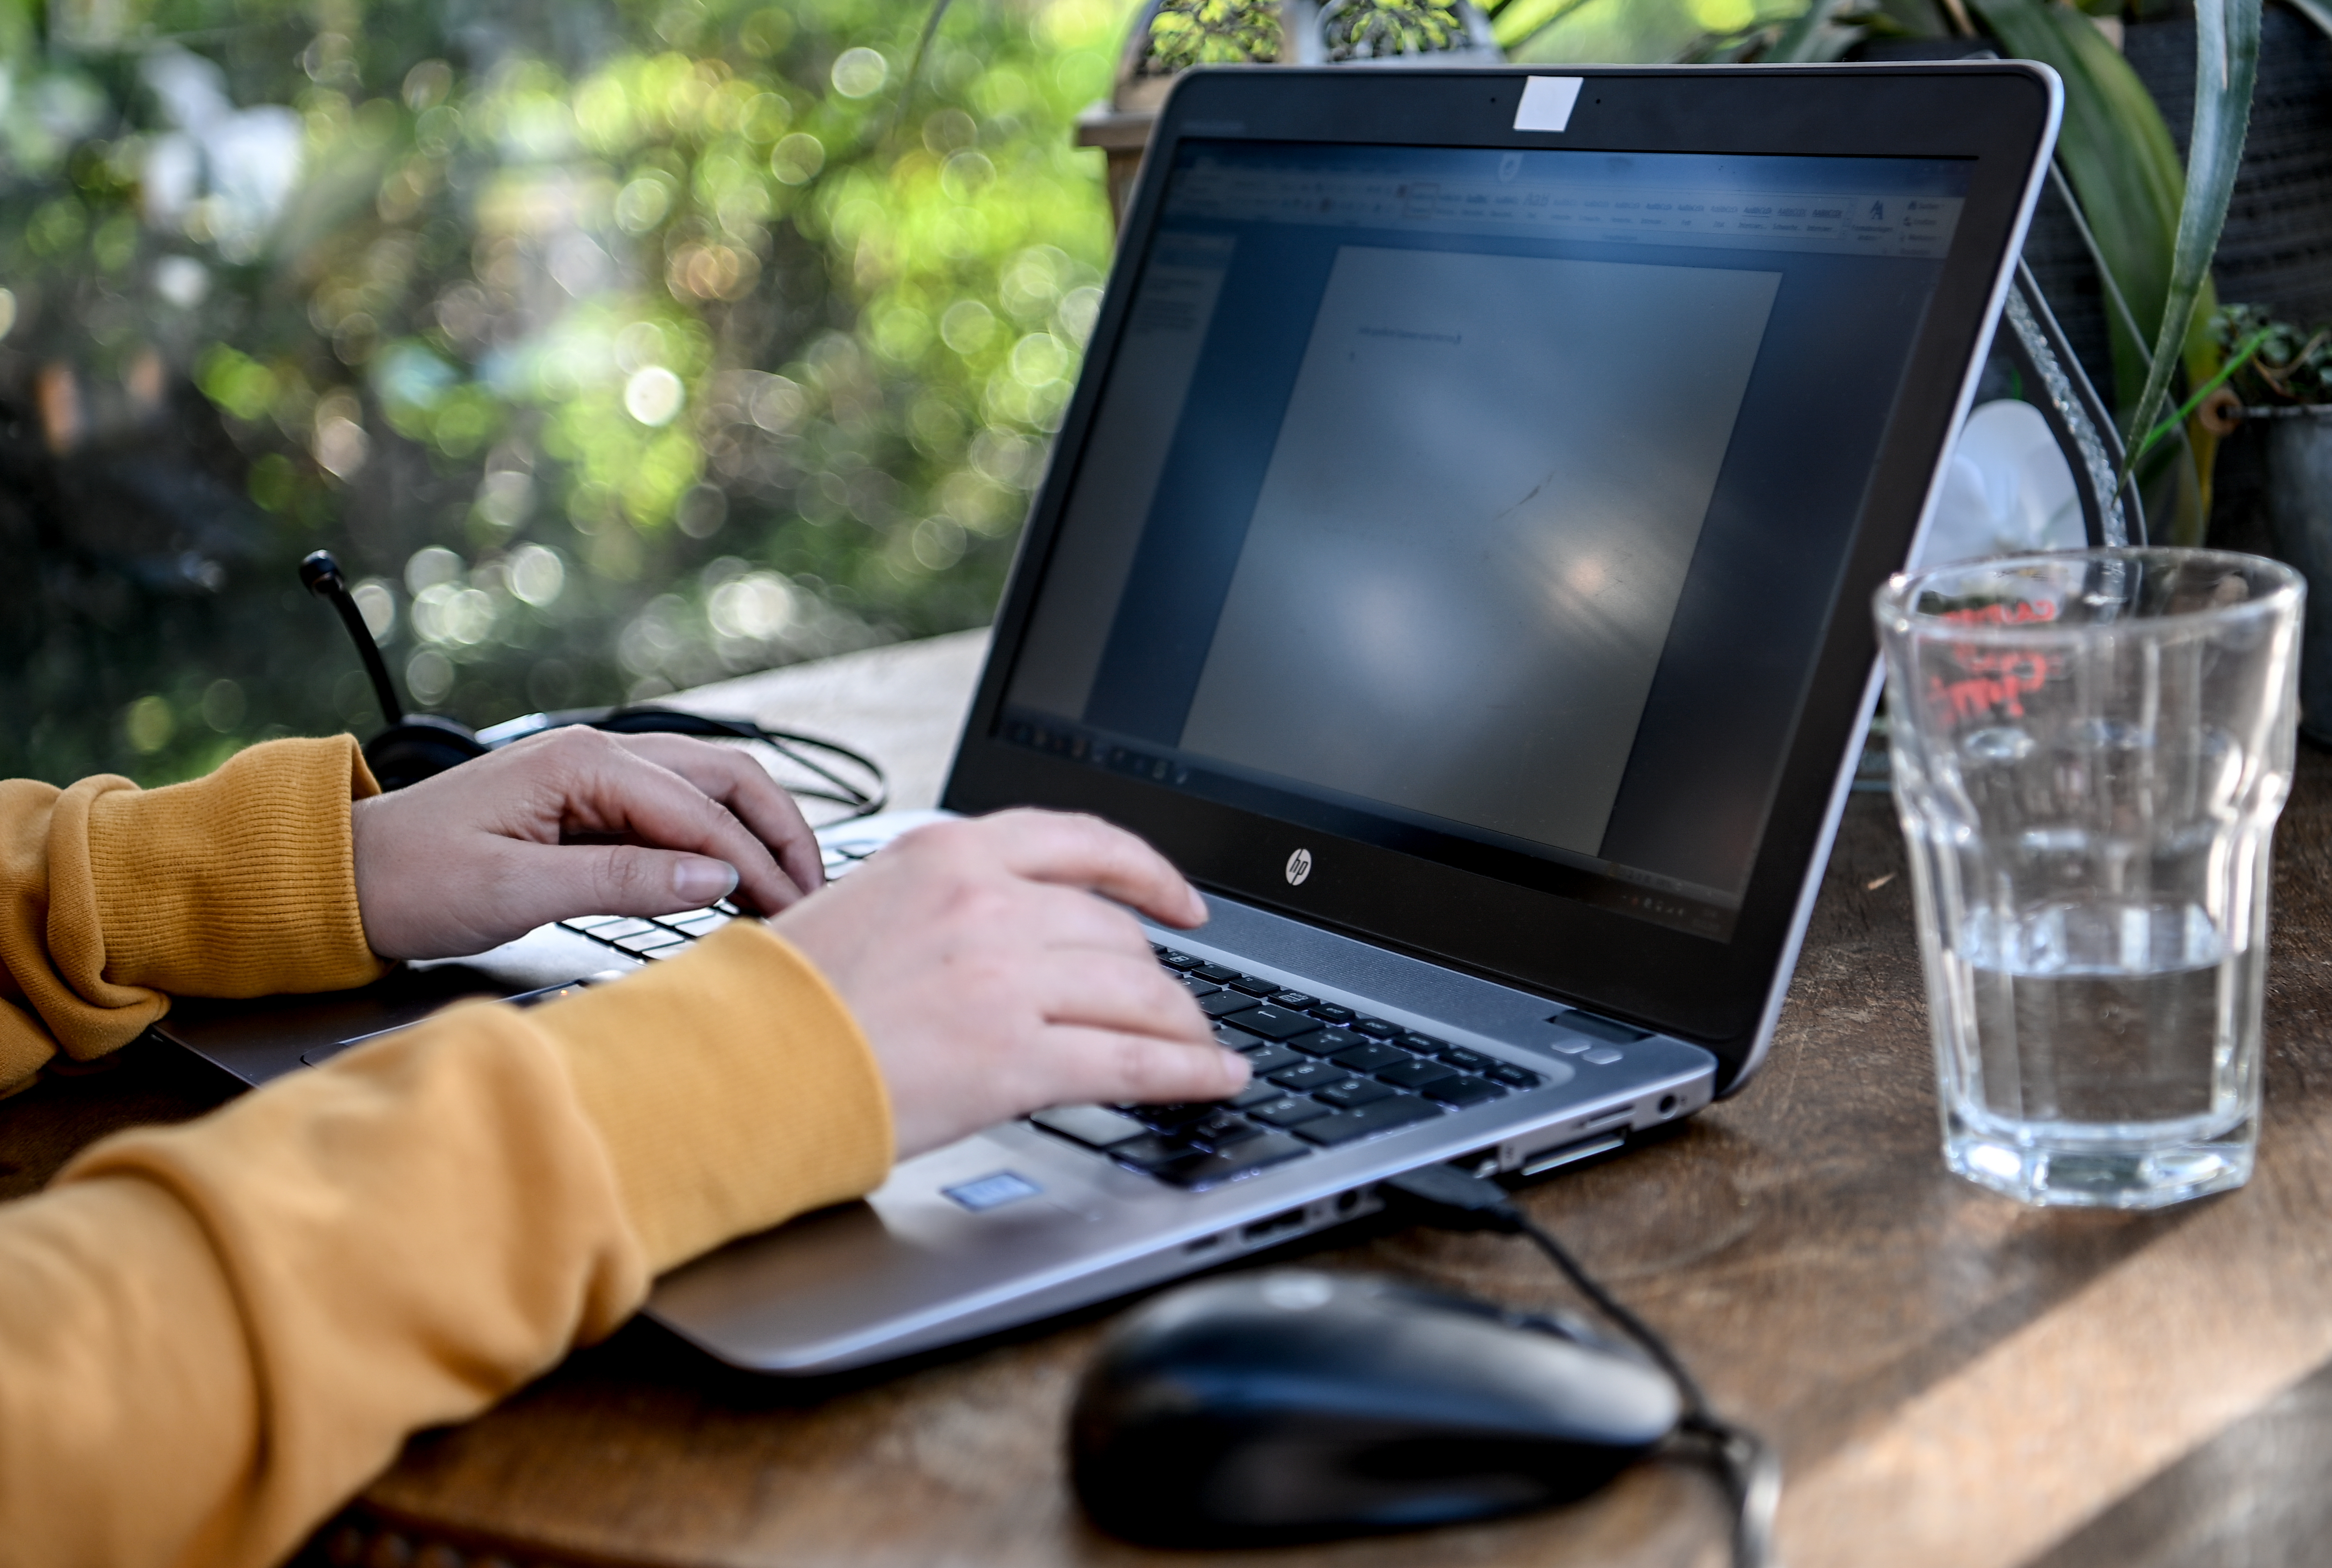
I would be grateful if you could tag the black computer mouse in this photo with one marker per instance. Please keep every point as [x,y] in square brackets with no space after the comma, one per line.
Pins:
[1298,1405]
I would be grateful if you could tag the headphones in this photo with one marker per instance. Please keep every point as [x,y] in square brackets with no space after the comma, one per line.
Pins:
[417,746]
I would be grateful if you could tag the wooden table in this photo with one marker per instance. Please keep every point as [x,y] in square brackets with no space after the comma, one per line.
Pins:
[1952,1379]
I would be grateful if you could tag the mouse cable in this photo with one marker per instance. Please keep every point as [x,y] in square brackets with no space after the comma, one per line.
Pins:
[1454,1200]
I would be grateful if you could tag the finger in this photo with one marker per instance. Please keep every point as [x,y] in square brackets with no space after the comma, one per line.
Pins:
[548,882]
[1126,994]
[1069,919]
[738,781]
[1108,1068]
[612,789]
[1087,852]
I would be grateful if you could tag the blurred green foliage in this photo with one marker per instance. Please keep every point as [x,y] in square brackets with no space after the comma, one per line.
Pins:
[615,345]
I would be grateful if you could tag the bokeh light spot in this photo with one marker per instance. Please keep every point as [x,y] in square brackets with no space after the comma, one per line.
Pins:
[860,73]
[654,396]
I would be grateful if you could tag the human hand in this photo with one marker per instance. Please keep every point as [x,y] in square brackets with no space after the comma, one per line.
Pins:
[574,822]
[992,982]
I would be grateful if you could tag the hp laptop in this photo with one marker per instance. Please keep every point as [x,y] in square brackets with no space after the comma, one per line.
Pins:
[1456,556]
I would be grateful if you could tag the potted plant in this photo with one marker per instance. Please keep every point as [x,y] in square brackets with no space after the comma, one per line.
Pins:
[1170,36]
[2281,388]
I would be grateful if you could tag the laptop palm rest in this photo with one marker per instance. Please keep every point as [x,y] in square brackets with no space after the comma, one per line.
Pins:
[1014,1224]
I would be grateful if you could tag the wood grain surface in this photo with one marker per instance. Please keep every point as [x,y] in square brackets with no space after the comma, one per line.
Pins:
[1952,1377]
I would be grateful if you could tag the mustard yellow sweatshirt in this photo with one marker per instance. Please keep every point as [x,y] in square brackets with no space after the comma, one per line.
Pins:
[212,1335]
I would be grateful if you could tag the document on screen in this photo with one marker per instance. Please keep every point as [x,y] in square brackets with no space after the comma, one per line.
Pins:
[1475,526]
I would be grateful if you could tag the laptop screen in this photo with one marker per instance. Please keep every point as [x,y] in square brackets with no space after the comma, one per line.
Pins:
[1485,505]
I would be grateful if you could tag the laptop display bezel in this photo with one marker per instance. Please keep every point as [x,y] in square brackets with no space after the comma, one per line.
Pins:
[1995,115]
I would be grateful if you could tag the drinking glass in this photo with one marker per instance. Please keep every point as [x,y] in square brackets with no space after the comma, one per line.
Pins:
[2090,750]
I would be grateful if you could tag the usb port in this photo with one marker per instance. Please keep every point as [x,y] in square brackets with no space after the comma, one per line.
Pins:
[1277,1225]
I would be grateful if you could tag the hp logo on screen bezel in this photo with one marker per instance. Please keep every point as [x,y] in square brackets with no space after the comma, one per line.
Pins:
[1299,866]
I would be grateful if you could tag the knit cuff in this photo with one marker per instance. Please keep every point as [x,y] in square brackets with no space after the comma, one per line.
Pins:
[241,884]
[733,1087]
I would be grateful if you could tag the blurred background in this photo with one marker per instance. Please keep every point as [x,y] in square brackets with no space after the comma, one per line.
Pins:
[617,346]
[613,345]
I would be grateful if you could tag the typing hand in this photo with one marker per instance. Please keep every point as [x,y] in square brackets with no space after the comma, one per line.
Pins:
[574,822]
[992,982]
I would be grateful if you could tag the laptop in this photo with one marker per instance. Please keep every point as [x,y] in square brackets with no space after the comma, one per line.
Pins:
[1456,556]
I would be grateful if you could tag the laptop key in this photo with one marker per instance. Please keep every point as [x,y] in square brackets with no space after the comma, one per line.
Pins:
[1330,1013]
[627,926]
[1270,1058]
[1370,1058]
[1513,1077]
[1215,972]
[1375,1028]
[650,940]
[1310,1077]
[1151,1152]
[1220,1131]
[1197,988]
[1345,1126]
[1222,1002]
[1295,1001]
[1254,985]
[594,922]
[1260,1091]
[1462,1092]
[1468,1061]
[1425,1045]
[1327,1042]
[1172,1117]
[703,924]
[1176,960]
[1415,1074]
[1242,1158]
[1275,1023]
[1287,1111]
[1095,1126]
[1350,1097]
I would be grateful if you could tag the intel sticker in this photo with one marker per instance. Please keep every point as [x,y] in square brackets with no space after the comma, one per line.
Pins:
[991,1191]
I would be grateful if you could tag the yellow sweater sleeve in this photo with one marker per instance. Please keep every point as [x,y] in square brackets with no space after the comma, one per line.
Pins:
[210,1335]
[112,899]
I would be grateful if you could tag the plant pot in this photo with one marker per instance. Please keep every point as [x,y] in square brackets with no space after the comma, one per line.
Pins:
[1258,33]
[2297,456]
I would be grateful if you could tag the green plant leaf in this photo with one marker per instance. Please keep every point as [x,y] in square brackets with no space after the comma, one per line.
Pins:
[2119,154]
[1802,39]
[2243,357]
[2121,162]
[2226,65]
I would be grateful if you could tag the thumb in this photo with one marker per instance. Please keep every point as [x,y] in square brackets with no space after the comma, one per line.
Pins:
[557,880]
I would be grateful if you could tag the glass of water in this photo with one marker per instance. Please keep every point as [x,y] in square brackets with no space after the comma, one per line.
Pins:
[2090,751]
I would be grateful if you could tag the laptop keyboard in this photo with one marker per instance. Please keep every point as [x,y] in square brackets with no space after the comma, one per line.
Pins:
[669,935]
[1324,1075]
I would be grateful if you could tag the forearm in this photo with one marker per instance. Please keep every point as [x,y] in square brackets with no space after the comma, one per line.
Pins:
[112,899]
[211,1335]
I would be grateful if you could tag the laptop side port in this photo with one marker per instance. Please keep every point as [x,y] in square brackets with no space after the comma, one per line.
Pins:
[1204,1243]
[1259,1232]
[1613,1118]
[1570,1153]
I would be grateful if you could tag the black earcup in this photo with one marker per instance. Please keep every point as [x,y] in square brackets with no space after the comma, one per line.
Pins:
[420,747]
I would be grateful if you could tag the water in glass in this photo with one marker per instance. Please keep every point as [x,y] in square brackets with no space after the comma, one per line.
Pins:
[2090,752]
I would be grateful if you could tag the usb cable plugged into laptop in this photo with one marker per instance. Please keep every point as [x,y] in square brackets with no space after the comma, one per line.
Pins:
[1451,1199]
